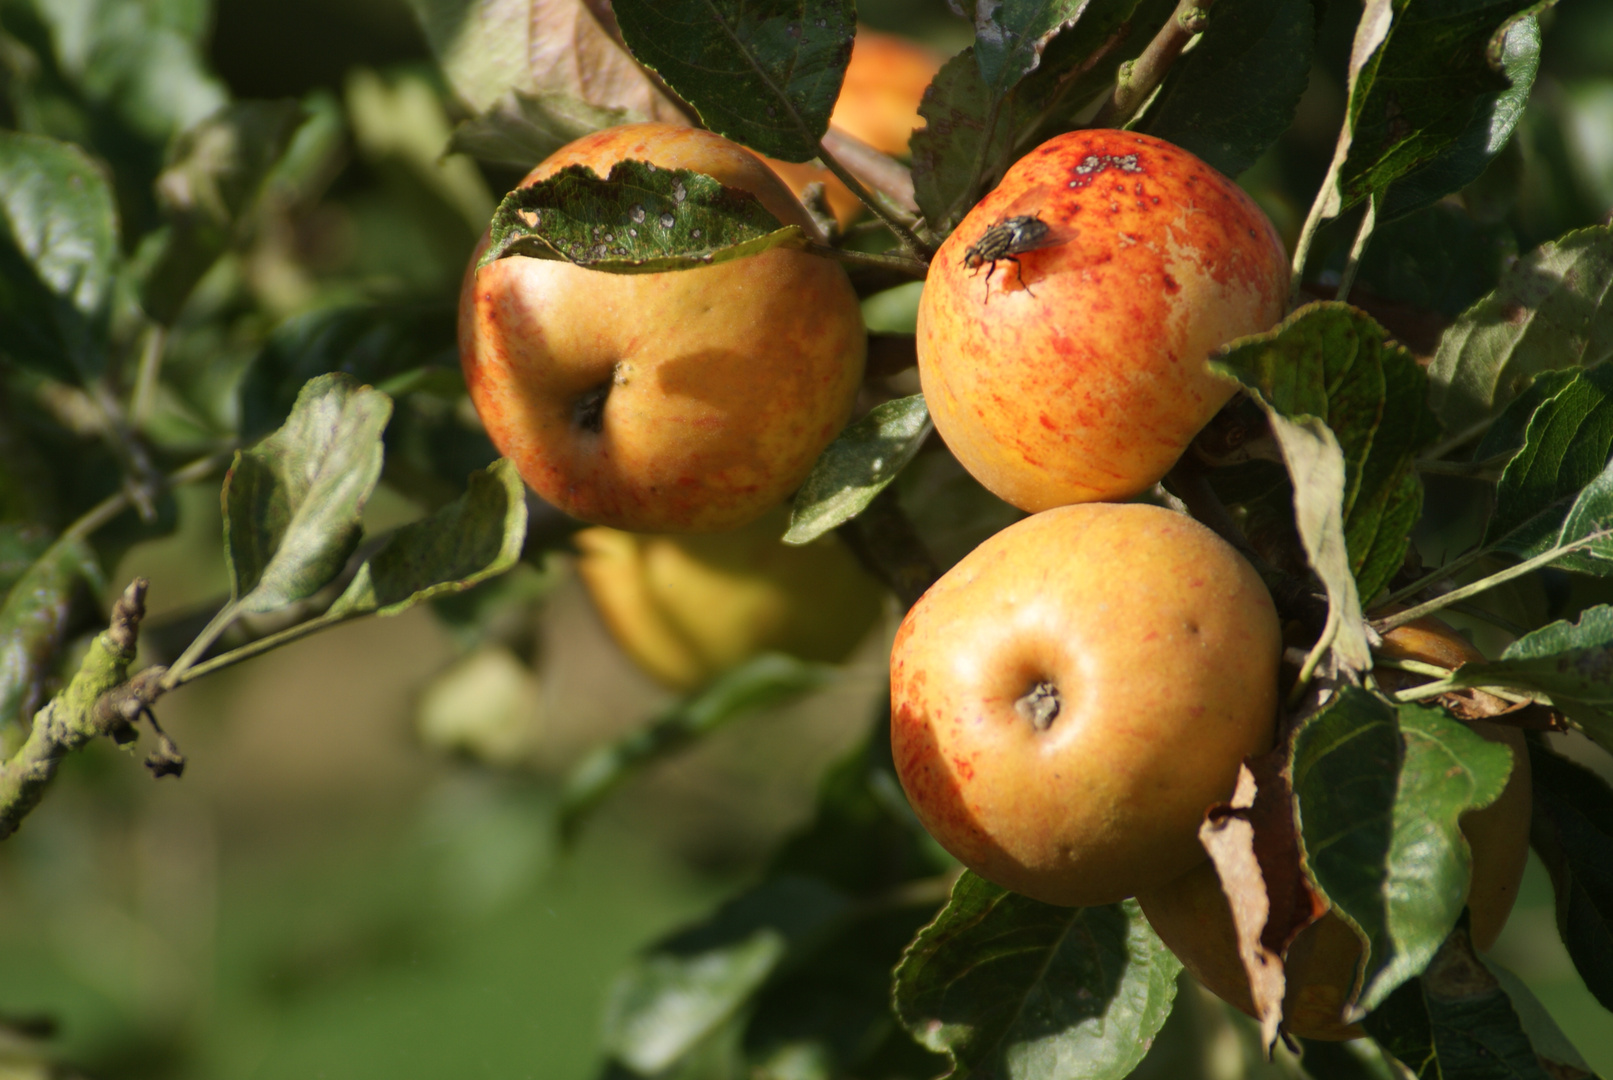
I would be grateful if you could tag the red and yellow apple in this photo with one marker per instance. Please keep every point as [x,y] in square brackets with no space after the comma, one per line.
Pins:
[1069,699]
[1079,374]
[1192,916]
[687,401]
[687,608]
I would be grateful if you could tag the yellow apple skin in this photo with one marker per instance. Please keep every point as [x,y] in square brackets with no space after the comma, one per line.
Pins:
[1080,374]
[1163,646]
[721,384]
[1192,917]
[687,608]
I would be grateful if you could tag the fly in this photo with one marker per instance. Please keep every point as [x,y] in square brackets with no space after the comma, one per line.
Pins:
[1005,240]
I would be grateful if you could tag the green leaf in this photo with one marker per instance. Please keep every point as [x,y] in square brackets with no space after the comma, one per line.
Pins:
[1015,989]
[1439,259]
[687,986]
[33,618]
[1573,833]
[1437,99]
[58,256]
[214,173]
[1551,310]
[292,503]
[1550,1042]
[974,130]
[1572,662]
[768,680]
[1333,363]
[857,466]
[1010,37]
[1378,795]
[1455,1022]
[523,129]
[1558,487]
[374,343]
[638,220]
[1231,97]
[474,538]
[762,72]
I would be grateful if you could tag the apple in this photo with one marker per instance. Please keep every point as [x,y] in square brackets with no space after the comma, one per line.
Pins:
[687,608]
[1069,366]
[687,401]
[1069,699]
[1192,916]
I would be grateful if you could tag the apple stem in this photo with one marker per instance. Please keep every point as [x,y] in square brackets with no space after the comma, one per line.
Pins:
[1137,78]
[1363,233]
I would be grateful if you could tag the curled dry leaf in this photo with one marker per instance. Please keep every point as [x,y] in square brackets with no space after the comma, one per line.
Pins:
[1253,842]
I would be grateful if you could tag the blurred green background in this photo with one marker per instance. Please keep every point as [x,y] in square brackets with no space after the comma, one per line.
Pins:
[331,891]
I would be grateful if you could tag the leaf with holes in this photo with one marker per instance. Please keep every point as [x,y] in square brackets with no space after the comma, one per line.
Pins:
[1379,792]
[292,503]
[1015,989]
[638,220]
[1553,309]
[762,72]
[857,466]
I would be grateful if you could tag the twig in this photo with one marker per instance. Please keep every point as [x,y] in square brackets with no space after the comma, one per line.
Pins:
[899,264]
[910,240]
[883,173]
[113,505]
[1363,233]
[100,700]
[1445,600]
[1138,78]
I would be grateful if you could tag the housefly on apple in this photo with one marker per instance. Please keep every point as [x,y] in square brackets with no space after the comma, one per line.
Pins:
[1003,241]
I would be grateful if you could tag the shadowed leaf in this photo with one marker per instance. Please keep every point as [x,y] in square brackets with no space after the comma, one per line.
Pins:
[762,72]
[1379,793]
[523,129]
[33,618]
[292,503]
[1573,832]
[857,466]
[767,681]
[1015,989]
[639,219]
[1231,97]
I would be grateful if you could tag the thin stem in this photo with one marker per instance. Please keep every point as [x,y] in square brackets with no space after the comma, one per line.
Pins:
[1473,470]
[910,240]
[1307,235]
[1484,584]
[1416,667]
[261,645]
[115,504]
[1330,632]
[145,381]
[1425,691]
[887,176]
[1457,441]
[1137,79]
[912,268]
[1450,569]
[1363,233]
[203,641]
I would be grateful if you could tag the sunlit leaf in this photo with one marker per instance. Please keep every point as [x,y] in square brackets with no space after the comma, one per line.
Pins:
[1015,989]
[639,219]
[762,72]
[857,466]
[468,541]
[58,256]
[292,503]
[1551,310]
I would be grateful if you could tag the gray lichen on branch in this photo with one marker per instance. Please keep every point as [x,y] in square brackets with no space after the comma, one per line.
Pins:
[101,700]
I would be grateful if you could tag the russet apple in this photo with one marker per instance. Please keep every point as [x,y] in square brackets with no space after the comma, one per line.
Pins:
[1069,699]
[1192,916]
[687,401]
[1064,325]
[687,608]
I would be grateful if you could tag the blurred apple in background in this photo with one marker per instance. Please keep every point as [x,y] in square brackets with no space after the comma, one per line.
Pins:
[687,608]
